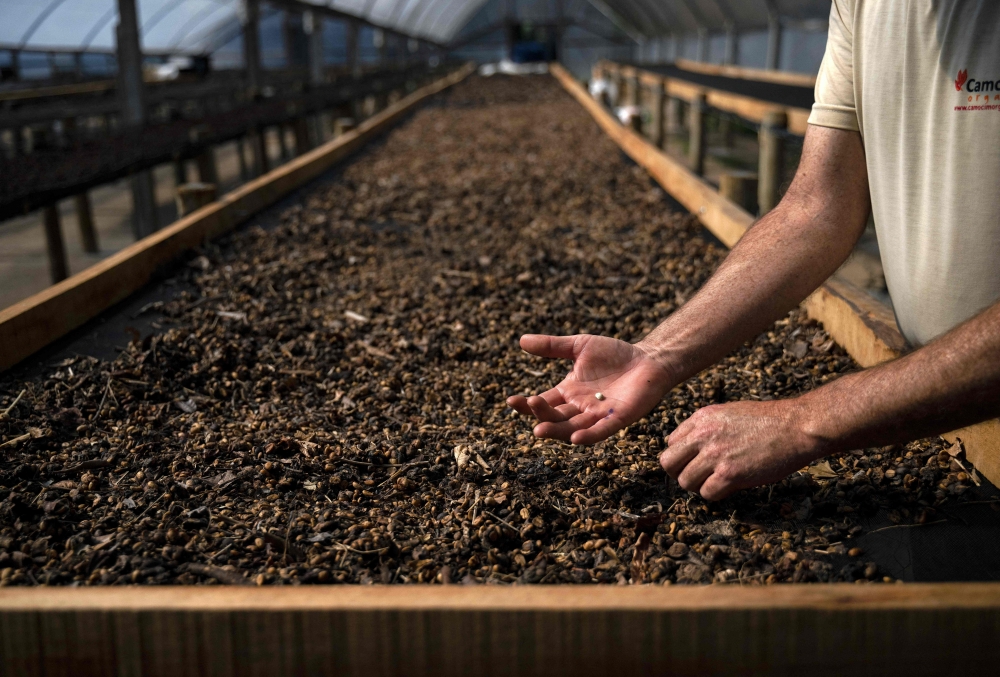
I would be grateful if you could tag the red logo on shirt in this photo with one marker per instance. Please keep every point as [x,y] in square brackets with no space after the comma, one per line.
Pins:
[960,80]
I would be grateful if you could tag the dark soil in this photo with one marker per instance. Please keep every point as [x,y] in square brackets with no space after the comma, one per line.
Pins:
[329,405]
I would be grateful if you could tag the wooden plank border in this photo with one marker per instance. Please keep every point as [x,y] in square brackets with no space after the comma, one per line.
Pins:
[522,630]
[744,73]
[865,328]
[746,107]
[33,323]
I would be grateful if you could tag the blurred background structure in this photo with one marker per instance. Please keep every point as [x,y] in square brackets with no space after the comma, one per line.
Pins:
[118,116]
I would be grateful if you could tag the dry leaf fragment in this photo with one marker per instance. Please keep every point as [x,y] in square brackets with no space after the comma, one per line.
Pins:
[187,406]
[357,317]
[799,349]
[377,352]
[822,470]
[461,456]
[956,449]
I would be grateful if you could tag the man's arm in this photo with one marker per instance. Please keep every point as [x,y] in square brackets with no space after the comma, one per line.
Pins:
[784,257]
[950,383]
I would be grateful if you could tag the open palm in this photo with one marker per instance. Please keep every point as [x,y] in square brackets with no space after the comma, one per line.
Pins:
[630,381]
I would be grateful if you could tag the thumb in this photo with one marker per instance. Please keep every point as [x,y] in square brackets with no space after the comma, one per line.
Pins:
[561,347]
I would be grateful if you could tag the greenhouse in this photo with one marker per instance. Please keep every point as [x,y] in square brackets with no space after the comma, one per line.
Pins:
[457,337]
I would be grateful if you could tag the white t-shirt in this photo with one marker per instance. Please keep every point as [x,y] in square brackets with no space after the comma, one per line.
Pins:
[920,79]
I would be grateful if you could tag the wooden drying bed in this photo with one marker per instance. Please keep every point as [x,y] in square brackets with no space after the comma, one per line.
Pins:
[744,73]
[864,327]
[747,107]
[39,320]
[458,630]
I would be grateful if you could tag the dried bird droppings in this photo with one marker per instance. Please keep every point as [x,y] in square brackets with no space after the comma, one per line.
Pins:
[353,427]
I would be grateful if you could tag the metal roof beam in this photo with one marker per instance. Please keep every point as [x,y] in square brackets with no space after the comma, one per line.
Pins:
[648,16]
[464,15]
[298,6]
[773,34]
[444,6]
[702,25]
[476,35]
[618,20]
[596,32]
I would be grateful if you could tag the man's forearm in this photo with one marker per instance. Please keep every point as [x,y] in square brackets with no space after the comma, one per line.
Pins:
[952,382]
[783,258]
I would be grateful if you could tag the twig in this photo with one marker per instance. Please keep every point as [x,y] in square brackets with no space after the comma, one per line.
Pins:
[360,464]
[136,518]
[377,352]
[14,403]
[275,541]
[502,521]
[203,299]
[236,524]
[10,443]
[85,465]
[100,407]
[905,526]
[221,551]
[360,552]
[221,575]
[288,533]
[403,468]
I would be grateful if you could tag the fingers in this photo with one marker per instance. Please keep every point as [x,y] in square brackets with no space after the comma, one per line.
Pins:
[564,430]
[545,412]
[682,431]
[715,488]
[695,473]
[602,430]
[519,403]
[677,456]
[560,347]
[552,398]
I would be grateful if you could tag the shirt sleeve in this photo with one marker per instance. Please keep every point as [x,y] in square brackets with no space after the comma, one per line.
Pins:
[835,106]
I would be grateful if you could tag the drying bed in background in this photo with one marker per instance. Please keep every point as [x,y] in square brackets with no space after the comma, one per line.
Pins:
[327,405]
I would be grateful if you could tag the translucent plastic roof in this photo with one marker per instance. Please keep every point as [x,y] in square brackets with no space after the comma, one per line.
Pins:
[194,25]
[183,25]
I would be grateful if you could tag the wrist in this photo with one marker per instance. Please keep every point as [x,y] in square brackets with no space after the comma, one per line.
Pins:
[815,429]
[665,372]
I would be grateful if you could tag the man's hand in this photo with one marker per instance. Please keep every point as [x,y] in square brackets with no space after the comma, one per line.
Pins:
[631,382]
[727,447]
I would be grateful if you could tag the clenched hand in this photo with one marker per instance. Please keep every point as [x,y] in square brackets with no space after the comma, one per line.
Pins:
[631,382]
[726,447]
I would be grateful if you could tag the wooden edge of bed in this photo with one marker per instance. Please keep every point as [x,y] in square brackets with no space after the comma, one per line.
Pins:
[491,630]
[744,73]
[746,107]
